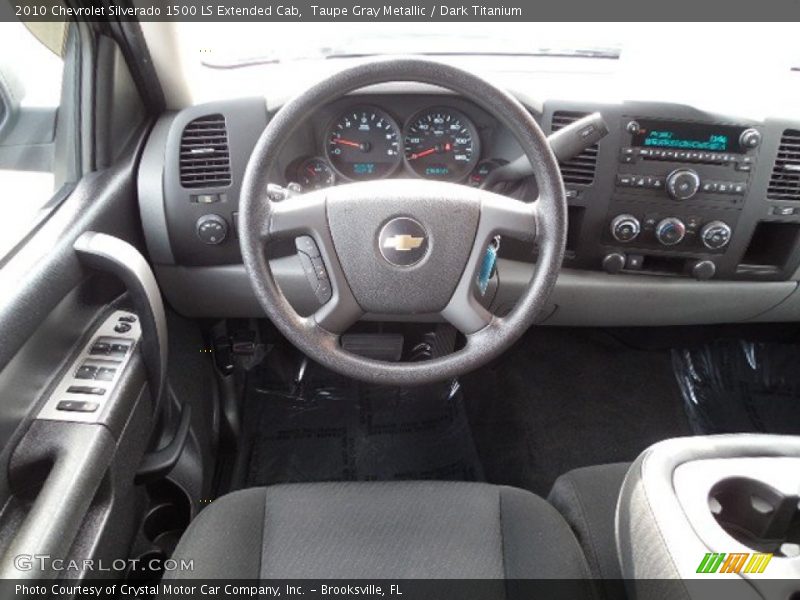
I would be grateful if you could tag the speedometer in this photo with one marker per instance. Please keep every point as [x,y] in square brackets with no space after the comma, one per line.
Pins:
[441,143]
[364,143]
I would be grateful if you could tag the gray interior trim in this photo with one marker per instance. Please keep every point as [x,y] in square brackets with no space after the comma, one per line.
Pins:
[597,299]
[150,186]
[79,456]
[579,297]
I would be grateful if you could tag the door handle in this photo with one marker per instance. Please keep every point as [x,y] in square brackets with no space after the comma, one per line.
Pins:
[113,255]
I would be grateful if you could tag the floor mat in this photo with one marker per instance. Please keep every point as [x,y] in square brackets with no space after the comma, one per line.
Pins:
[336,429]
[732,386]
[566,398]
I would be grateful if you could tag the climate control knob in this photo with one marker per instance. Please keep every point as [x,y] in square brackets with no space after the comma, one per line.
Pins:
[715,235]
[670,231]
[682,184]
[625,228]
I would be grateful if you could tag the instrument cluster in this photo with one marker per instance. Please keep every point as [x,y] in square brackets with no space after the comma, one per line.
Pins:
[365,142]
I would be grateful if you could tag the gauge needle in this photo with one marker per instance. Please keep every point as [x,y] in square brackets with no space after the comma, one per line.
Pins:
[346,143]
[445,148]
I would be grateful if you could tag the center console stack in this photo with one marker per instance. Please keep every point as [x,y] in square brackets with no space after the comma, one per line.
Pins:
[679,190]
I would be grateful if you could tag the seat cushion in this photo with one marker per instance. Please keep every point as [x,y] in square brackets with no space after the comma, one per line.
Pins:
[381,530]
[587,498]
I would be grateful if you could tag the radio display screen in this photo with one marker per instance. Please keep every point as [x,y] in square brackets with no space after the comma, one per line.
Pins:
[687,136]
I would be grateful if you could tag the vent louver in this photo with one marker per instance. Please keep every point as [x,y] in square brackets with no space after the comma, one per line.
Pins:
[784,184]
[204,156]
[579,170]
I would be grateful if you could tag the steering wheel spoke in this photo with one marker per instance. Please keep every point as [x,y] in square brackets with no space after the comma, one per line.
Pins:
[501,215]
[340,312]
[465,312]
[299,215]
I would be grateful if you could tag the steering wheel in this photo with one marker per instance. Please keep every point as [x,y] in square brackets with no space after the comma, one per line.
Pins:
[402,246]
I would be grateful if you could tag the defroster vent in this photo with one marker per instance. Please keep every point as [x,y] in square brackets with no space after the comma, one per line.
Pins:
[205,160]
[784,184]
[578,170]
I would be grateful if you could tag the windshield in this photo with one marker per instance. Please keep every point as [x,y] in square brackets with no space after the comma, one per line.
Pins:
[268,43]
[607,62]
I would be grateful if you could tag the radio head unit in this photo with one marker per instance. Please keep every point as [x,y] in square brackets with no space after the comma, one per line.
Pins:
[700,137]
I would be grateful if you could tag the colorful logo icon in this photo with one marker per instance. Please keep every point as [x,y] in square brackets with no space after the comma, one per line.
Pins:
[737,562]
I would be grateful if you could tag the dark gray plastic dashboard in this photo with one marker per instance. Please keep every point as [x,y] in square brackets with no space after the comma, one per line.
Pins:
[208,280]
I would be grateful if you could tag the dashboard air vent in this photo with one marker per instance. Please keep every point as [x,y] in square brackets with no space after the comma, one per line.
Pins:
[580,169]
[785,181]
[204,157]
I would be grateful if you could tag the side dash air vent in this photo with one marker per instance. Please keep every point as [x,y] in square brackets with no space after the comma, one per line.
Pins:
[784,184]
[578,170]
[204,157]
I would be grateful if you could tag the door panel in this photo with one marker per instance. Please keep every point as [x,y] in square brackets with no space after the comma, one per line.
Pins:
[67,488]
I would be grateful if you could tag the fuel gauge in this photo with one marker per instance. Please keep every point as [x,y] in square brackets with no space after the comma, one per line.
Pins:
[482,170]
[314,174]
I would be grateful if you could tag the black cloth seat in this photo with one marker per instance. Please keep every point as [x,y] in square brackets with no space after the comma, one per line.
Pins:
[381,530]
[587,498]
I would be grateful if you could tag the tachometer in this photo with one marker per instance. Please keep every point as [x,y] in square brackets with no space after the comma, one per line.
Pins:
[441,143]
[314,173]
[364,143]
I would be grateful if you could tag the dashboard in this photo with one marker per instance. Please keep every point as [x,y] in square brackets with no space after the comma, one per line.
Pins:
[677,216]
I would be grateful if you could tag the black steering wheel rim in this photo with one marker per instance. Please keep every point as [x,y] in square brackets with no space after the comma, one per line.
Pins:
[257,214]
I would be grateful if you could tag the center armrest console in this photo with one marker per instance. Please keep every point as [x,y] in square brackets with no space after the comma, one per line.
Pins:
[706,511]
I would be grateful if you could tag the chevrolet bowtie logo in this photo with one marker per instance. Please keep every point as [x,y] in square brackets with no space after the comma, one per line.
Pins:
[403,243]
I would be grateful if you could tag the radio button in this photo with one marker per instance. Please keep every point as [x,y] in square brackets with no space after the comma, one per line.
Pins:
[625,180]
[750,138]
[692,224]
[634,262]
